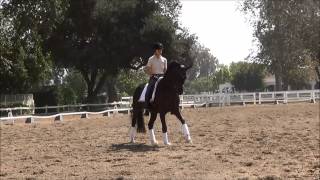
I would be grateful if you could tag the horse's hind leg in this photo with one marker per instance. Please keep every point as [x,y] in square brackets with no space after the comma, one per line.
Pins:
[153,118]
[133,132]
[185,129]
[133,128]
[164,129]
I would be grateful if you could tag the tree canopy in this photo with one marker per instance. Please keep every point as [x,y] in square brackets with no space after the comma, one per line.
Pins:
[98,38]
[247,76]
[23,26]
[288,33]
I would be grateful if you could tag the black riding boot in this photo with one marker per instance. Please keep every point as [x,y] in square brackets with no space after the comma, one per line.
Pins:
[147,104]
[147,98]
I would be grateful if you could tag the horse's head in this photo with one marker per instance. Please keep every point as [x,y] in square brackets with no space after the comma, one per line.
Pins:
[176,74]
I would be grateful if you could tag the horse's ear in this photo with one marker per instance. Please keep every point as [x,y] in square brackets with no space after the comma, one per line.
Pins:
[187,67]
[173,64]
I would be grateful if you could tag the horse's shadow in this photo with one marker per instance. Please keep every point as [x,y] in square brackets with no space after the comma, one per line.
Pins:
[133,147]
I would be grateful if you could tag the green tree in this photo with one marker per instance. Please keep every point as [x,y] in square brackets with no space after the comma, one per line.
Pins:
[200,84]
[288,32]
[209,83]
[247,76]
[128,81]
[206,74]
[76,83]
[23,26]
[65,95]
[99,38]
[95,37]
[222,75]
[204,65]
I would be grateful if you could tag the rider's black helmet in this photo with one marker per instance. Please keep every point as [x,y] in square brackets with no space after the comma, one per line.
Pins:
[157,45]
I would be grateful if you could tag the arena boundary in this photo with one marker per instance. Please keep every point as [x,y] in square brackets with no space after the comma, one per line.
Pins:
[193,101]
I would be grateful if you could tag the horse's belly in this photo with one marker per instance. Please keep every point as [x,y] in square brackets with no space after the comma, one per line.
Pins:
[166,103]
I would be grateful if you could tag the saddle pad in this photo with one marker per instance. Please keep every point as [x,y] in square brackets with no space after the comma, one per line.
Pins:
[155,89]
[143,94]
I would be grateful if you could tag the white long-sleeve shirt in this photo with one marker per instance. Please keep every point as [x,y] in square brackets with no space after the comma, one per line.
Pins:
[157,65]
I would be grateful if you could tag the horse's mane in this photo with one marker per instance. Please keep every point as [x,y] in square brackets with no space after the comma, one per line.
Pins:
[172,68]
[175,76]
[173,65]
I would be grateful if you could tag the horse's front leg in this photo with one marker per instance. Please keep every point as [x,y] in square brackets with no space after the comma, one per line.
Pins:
[153,117]
[185,129]
[164,129]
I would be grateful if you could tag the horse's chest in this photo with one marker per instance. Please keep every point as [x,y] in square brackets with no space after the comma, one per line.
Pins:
[167,98]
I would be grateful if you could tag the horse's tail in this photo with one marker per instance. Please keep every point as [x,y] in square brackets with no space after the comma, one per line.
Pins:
[137,110]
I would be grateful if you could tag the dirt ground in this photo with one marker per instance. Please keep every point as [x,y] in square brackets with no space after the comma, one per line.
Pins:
[255,142]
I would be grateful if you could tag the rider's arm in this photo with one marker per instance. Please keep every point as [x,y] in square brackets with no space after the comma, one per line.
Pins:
[147,68]
[165,66]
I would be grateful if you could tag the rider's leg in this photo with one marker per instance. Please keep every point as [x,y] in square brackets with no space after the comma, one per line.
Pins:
[150,87]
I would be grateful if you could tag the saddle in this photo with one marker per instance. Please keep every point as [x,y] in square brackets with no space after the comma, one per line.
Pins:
[153,91]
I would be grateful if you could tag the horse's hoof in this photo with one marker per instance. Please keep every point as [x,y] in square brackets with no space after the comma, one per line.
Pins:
[189,141]
[167,144]
[154,143]
[132,141]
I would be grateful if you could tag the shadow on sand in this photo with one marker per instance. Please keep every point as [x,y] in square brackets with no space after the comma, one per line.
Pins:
[134,147]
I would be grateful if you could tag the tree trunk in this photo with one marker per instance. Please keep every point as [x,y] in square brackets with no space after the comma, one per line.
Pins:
[94,84]
[111,90]
[278,86]
[91,98]
[318,71]
[285,85]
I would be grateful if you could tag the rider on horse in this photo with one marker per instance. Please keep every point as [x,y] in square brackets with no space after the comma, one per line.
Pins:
[156,67]
[166,98]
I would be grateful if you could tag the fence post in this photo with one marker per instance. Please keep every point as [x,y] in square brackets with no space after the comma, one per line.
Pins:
[106,114]
[285,97]
[10,115]
[259,100]
[313,97]
[58,118]
[46,109]
[30,120]
[115,109]
[85,115]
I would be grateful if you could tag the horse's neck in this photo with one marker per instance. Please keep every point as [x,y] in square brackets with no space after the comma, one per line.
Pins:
[167,82]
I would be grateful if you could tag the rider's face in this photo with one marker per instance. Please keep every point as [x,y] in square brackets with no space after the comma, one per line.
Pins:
[158,51]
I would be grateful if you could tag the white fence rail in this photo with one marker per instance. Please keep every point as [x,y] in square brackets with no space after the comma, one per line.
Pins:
[68,107]
[244,98]
[59,117]
[289,96]
[185,101]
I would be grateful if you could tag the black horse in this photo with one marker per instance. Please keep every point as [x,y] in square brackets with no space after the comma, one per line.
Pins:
[166,100]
